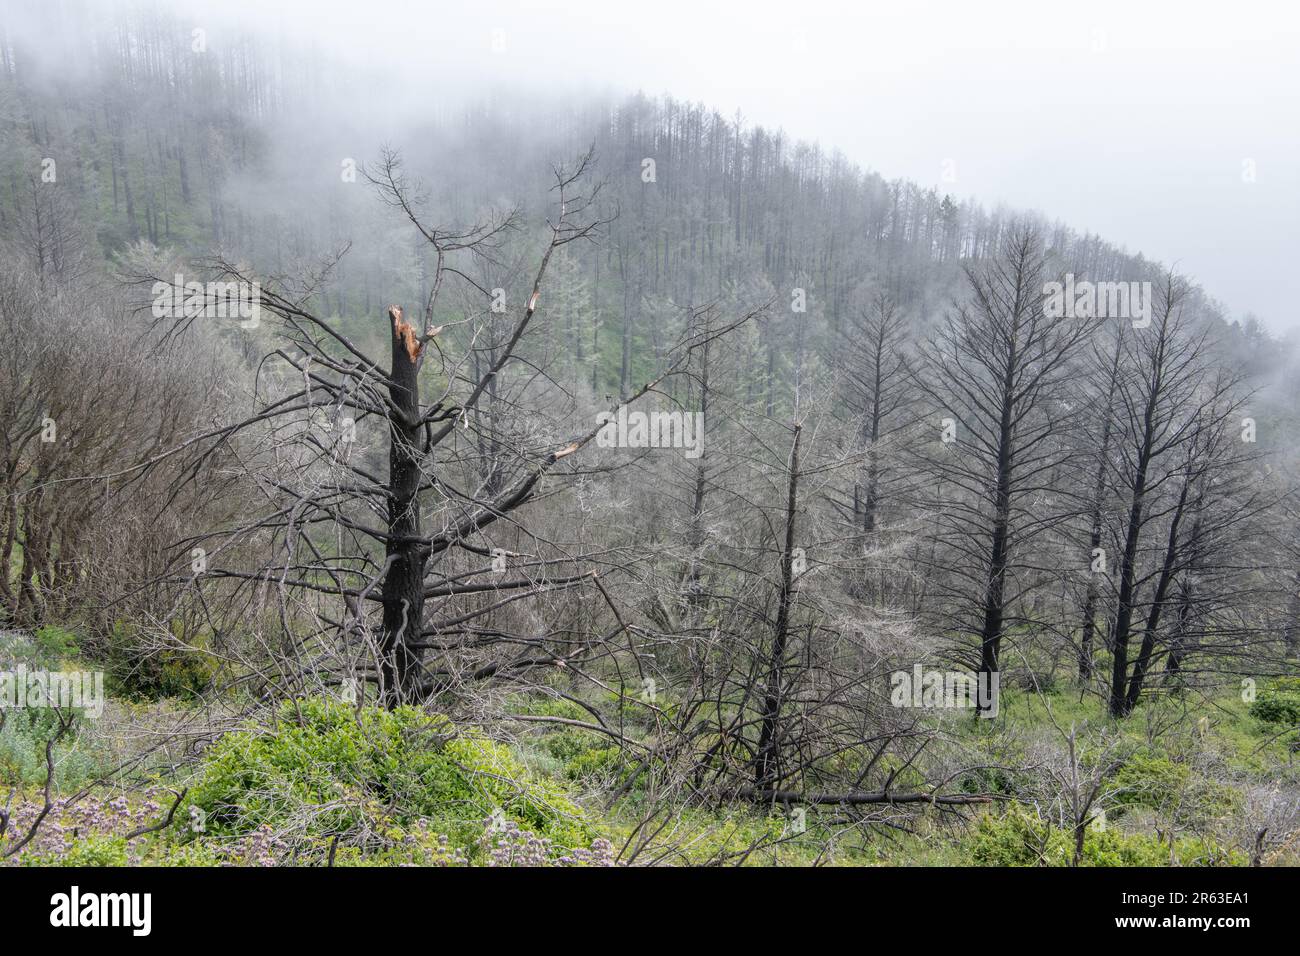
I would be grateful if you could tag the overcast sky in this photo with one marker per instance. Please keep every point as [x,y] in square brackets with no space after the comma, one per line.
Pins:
[1170,128]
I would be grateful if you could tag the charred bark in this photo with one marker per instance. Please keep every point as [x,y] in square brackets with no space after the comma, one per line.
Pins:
[403,586]
[766,765]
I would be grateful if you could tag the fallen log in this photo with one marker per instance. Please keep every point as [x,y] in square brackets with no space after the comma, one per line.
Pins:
[858,798]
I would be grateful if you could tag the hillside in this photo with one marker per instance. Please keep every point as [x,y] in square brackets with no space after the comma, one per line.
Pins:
[604,481]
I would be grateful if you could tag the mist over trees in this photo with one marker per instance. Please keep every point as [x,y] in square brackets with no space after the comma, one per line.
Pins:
[379,484]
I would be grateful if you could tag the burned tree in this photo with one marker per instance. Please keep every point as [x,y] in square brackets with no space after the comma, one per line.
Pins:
[1176,417]
[1097,498]
[307,441]
[875,373]
[767,762]
[996,372]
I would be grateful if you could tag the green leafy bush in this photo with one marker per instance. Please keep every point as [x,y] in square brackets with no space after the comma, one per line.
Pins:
[569,744]
[1154,781]
[549,707]
[22,751]
[1278,703]
[328,770]
[90,851]
[1018,838]
[55,644]
[597,764]
[138,669]
[106,850]
[1150,780]
[987,780]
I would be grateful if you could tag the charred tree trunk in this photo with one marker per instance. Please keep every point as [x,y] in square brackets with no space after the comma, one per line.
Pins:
[873,437]
[405,554]
[1128,565]
[1094,539]
[994,593]
[1291,633]
[1157,605]
[1124,609]
[766,766]
[1187,596]
[701,488]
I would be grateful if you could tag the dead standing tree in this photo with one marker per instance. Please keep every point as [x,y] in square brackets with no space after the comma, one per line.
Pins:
[875,383]
[767,761]
[320,481]
[1099,361]
[997,370]
[412,435]
[1178,408]
[336,531]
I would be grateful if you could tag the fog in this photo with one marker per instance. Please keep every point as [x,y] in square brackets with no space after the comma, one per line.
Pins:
[521,435]
[1142,125]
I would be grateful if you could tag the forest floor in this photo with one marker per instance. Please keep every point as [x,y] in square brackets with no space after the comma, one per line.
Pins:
[1186,780]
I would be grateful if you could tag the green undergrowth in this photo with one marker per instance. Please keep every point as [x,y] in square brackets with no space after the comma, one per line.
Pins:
[371,776]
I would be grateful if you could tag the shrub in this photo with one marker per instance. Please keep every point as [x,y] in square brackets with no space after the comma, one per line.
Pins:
[22,751]
[90,851]
[569,744]
[369,776]
[1150,780]
[549,707]
[1279,703]
[1018,838]
[597,764]
[55,644]
[138,668]
[1159,784]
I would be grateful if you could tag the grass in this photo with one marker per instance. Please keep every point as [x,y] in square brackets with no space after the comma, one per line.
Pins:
[1188,762]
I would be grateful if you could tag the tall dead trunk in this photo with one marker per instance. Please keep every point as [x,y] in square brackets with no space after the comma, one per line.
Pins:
[766,766]
[1167,569]
[995,585]
[1094,538]
[403,587]
[873,434]
[1127,590]
[1178,642]
[1291,633]
[1119,706]
[701,487]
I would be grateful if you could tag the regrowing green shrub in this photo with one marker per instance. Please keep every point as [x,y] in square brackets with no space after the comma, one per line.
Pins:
[1278,703]
[1159,784]
[369,776]
[1019,838]
[137,668]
